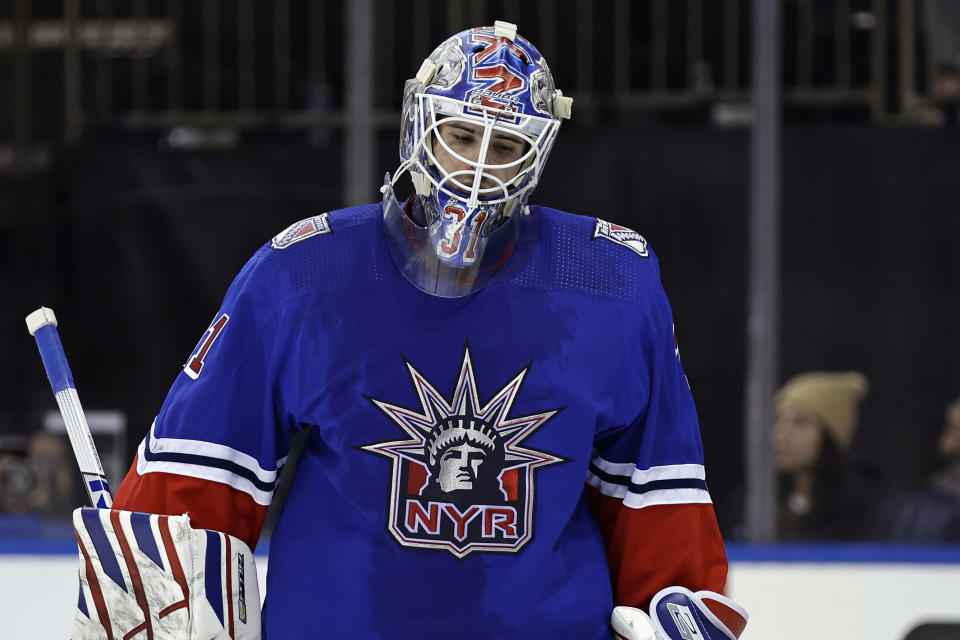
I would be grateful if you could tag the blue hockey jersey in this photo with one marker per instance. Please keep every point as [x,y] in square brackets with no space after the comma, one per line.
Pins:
[509,464]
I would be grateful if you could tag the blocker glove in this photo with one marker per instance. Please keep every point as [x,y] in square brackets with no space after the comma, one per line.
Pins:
[676,613]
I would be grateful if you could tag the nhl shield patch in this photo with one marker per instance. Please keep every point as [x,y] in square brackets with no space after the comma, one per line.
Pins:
[462,479]
[306,228]
[623,236]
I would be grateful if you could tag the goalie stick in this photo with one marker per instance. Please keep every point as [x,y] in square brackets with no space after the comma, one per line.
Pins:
[42,325]
[141,574]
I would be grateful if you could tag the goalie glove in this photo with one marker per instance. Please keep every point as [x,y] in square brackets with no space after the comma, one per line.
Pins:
[145,572]
[676,613]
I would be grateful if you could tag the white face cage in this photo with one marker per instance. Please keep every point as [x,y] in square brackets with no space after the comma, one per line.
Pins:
[478,184]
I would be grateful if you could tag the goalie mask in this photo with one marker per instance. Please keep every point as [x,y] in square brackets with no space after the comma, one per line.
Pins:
[479,120]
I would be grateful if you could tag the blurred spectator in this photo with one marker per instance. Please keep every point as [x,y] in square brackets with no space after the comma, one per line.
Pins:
[942,23]
[947,480]
[821,492]
[36,475]
[932,513]
[946,92]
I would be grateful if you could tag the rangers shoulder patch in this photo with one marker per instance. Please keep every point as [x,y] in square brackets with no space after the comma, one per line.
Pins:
[621,235]
[306,228]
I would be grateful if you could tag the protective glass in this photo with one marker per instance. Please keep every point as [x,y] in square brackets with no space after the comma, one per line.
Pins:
[413,248]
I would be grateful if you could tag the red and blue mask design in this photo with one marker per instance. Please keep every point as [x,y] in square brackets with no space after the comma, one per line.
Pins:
[479,121]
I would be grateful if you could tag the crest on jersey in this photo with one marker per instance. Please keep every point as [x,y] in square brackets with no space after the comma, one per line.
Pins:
[621,235]
[306,228]
[462,480]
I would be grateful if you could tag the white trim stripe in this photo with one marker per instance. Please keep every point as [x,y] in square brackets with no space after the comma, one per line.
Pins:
[191,469]
[212,450]
[667,496]
[630,476]
[606,488]
[203,472]
[669,472]
[613,468]
[642,476]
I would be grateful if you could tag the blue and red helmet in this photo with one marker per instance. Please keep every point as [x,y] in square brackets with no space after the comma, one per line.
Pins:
[496,84]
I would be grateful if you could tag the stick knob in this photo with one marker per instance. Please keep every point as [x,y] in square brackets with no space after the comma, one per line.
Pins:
[40,318]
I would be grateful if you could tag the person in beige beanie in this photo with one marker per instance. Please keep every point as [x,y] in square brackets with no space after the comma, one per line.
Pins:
[816,418]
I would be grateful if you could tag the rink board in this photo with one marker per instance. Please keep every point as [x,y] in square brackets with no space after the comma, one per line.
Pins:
[791,593]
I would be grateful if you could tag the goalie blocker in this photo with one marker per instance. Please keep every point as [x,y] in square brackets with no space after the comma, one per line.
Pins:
[676,613]
[156,574]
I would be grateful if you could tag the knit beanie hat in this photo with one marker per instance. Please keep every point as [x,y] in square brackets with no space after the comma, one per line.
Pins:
[834,397]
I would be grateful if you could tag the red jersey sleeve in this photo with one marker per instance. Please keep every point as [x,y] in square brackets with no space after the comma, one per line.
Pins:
[658,546]
[210,505]
[646,477]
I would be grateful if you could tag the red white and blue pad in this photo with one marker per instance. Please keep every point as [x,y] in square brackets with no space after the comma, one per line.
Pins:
[676,613]
[156,575]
